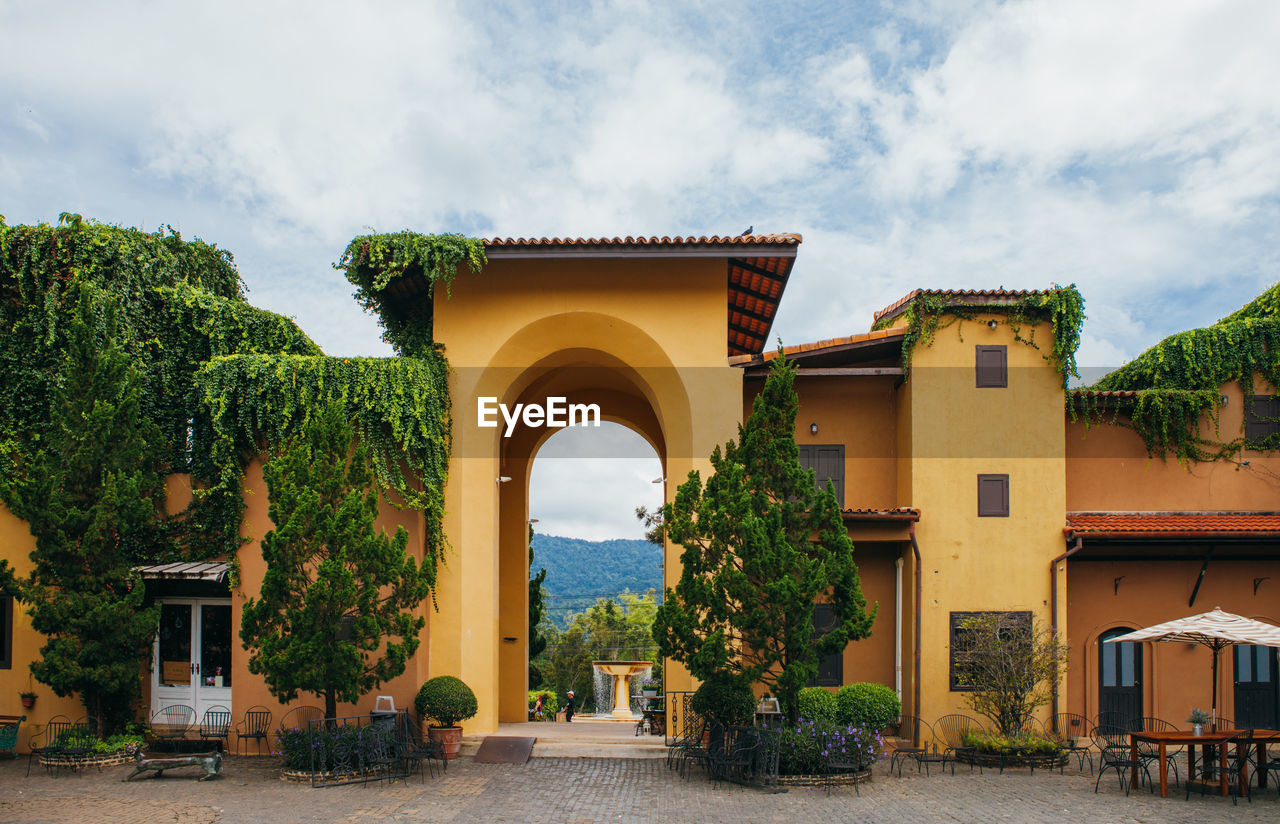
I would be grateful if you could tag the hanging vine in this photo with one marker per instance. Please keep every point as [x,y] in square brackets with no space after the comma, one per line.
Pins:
[375,262]
[1166,392]
[1063,307]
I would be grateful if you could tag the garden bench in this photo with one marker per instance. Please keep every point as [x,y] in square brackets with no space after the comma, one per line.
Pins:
[9,725]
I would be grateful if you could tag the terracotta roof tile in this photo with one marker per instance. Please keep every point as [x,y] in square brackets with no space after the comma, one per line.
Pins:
[817,346]
[994,296]
[781,239]
[1168,525]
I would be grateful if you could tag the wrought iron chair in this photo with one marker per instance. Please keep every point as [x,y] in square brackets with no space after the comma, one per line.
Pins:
[47,742]
[1114,754]
[952,728]
[1151,752]
[1073,733]
[840,760]
[916,730]
[216,725]
[415,750]
[171,723]
[254,726]
[298,718]
[1206,774]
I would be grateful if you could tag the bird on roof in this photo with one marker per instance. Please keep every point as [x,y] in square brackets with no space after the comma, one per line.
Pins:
[748,230]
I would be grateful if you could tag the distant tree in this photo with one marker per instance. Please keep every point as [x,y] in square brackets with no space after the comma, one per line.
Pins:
[1009,663]
[761,546]
[91,497]
[537,614]
[606,630]
[334,617]
[652,523]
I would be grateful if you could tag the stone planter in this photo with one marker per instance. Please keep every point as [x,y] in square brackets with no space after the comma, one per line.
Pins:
[841,780]
[1013,759]
[449,738]
[100,759]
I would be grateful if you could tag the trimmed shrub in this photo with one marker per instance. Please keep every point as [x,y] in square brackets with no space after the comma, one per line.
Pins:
[446,700]
[867,704]
[817,704]
[726,698]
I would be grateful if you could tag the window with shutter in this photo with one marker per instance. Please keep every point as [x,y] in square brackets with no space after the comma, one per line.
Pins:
[1262,419]
[992,367]
[830,667]
[993,496]
[827,463]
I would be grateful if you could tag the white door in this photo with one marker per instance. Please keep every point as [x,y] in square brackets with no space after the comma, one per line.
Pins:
[192,664]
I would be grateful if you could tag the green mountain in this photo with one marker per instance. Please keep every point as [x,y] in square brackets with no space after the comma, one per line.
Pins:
[579,571]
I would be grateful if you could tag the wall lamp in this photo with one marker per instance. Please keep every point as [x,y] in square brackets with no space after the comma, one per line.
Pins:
[813,429]
[658,481]
[502,479]
[533,520]
[992,324]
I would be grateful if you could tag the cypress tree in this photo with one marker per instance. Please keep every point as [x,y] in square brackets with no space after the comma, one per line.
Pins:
[762,545]
[90,496]
[334,617]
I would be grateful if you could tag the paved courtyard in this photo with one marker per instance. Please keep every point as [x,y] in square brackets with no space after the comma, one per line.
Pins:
[581,790]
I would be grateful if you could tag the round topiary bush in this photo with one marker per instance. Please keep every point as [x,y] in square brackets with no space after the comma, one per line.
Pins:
[869,705]
[446,700]
[726,698]
[817,704]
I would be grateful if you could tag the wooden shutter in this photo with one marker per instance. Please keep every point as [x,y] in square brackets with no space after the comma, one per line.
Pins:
[993,496]
[991,367]
[1260,419]
[827,463]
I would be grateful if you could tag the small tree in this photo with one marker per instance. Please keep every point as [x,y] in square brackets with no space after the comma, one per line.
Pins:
[90,497]
[1010,663]
[335,614]
[761,546]
[537,614]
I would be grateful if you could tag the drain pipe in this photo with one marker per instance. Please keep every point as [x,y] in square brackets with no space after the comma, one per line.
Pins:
[897,627]
[915,548]
[1053,604]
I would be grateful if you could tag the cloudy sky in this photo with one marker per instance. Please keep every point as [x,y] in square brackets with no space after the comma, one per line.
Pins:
[1132,148]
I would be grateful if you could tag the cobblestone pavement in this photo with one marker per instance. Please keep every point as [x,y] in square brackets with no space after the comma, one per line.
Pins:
[577,791]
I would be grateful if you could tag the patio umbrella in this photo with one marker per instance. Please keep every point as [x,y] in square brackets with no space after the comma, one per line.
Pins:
[1214,629]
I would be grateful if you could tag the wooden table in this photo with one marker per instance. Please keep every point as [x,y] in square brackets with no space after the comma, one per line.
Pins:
[1188,739]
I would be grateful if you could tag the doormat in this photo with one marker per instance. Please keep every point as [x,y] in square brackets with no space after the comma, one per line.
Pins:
[505,749]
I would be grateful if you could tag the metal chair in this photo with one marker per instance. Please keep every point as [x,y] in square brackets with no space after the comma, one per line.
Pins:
[49,739]
[953,728]
[915,729]
[1114,754]
[414,750]
[216,725]
[1073,733]
[171,723]
[254,726]
[1151,752]
[1206,775]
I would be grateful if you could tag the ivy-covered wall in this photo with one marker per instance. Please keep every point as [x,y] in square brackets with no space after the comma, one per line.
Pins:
[225,380]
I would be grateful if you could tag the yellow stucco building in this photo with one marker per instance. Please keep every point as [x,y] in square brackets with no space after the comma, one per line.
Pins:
[965,485]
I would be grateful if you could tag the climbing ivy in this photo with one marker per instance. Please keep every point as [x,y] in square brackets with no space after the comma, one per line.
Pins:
[374,262]
[1062,306]
[399,408]
[1177,381]
[223,380]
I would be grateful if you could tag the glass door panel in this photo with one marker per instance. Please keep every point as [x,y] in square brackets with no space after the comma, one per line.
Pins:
[215,645]
[174,644]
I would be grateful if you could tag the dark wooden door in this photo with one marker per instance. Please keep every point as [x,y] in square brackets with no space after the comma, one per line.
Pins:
[1257,688]
[1119,681]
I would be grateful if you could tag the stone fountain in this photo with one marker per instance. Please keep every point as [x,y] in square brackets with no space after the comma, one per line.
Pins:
[621,671]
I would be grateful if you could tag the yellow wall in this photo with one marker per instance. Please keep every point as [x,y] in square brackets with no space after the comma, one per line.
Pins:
[644,337]
[957,432]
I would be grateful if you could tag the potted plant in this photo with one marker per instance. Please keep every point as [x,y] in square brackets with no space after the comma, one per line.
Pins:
[649,687]
[446,700]
[1197,720]
[28,699]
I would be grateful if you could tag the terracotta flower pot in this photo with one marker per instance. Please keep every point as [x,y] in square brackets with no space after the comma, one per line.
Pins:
[450,739]
[28,701]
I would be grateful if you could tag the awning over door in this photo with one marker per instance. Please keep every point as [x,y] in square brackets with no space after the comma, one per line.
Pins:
[212,572]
